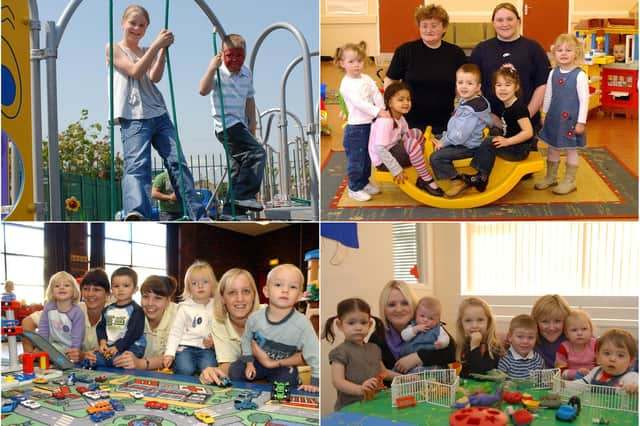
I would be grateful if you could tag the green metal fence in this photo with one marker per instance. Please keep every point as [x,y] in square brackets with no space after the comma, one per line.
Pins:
[92,195]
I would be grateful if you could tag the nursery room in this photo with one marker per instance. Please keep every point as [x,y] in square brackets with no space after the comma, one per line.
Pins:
[170,303]
[498,307]
[594,177]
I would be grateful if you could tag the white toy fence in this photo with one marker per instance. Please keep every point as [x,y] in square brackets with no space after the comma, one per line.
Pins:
[436,387]
[543,379]
[595,396]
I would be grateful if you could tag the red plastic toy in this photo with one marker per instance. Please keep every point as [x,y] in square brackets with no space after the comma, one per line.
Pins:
[406,401]
[522,417]
[478,416]
[511,397]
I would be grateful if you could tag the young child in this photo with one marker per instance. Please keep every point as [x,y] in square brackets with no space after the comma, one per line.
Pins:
[141,112]
[424,331]
[247,155]
[517,138]
[617,350]
[619,53]
[62,320]
[566,104]
[481,349]
[281,331]
[464,130]
[122,325]
[577,356]
[520,359]
[356,365]
[549,313]
[190,342]
[364,103]
[392,145]
[8,288]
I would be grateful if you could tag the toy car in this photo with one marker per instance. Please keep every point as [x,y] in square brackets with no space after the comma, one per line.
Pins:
[82,389]
[98,417]
[156,405]
[225,381]
[136,394]
[244,404]
[566,413]
[9,405]
[58,394]
[92,386]
[92,395]
[116,404]
[100,379]
[30,403]
[40,381]
[280,391]
[204,417]
[182,410]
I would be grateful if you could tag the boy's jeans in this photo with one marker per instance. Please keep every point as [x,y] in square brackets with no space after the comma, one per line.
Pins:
[247,164]
[190,359]
[281,374]
[442,160]
[356,147]
[138,136]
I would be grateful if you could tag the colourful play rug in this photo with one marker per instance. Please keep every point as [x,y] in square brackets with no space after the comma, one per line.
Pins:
[606,190]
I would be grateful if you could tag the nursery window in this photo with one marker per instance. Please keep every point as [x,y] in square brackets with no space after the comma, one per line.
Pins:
[582,259]
[23,258]
[141,247]
[408,251]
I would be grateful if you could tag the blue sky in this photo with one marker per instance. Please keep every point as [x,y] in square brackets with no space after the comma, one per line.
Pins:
[82,72]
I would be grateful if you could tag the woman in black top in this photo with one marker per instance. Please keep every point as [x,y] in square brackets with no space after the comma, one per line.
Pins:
[428,66]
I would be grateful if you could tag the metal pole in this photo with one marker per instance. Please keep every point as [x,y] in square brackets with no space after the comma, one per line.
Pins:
[55,205]
[36,112]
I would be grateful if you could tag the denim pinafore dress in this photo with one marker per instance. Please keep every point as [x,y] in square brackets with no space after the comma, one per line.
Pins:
[562,116]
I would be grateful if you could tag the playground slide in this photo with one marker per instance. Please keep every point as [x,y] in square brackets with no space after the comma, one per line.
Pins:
[54,355]
[504,177]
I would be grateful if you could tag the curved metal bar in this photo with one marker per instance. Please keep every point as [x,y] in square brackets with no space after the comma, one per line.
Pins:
[212,17]
[284,160]
[283,108]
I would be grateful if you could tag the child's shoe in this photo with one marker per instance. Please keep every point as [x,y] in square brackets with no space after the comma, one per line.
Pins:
[371,189]
[478,181]
[568,183]
[359,195]
[458,185]
[424,185]
[550,178]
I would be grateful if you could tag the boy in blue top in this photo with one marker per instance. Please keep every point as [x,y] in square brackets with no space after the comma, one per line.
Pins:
[281,331]
[464,130]
[122,325]
[247,155]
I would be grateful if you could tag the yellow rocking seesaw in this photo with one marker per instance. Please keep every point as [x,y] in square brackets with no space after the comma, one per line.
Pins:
[504,177]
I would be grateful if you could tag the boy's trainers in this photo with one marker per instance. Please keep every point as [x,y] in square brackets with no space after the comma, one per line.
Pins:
[371,189]
[359,195]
